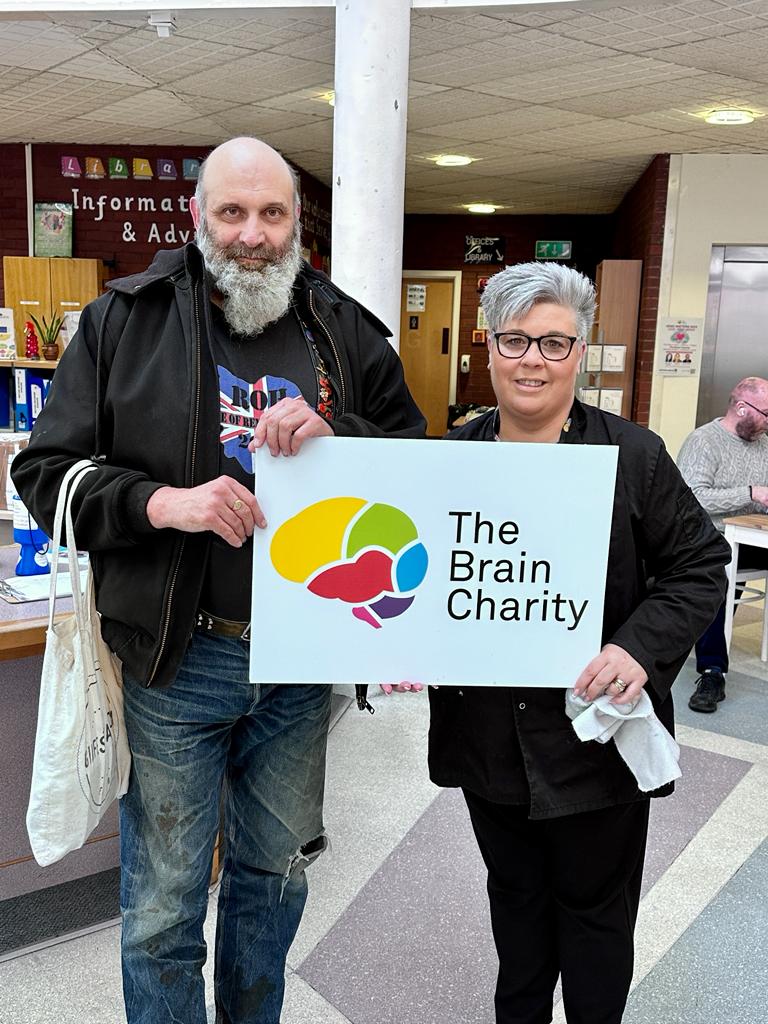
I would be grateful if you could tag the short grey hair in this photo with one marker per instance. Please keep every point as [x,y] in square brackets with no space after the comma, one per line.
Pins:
[200,186]
[514,291]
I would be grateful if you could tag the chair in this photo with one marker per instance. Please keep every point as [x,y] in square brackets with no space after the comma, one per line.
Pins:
[750,594]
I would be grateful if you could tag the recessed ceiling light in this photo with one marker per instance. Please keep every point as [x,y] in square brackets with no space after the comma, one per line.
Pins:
[730,117]
[480,207]
[453,160]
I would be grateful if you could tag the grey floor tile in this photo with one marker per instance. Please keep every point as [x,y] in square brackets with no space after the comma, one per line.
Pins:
[742,713]
[707,779]
[715,973]
[415,947]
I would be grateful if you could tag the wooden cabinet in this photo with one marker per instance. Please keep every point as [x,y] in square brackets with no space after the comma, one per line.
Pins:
[618,302]
[42,286]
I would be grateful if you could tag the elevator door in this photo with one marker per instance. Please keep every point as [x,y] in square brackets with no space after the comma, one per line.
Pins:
[736,328]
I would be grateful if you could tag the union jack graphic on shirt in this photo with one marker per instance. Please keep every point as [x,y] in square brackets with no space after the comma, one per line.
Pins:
[241,405]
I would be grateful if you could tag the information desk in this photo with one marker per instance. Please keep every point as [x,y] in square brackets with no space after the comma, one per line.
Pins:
[80,890]
[751,530]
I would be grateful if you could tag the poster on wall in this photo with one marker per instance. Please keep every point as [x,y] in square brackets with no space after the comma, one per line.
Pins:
[416,298]
[53,229]
[374,549]
[678,346]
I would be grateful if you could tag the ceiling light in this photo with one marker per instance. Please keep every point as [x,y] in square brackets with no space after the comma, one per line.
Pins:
[164,22]
[730,117]
[453,160]
[480,207]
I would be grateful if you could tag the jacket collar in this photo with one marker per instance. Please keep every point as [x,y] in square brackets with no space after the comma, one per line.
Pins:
[186,265]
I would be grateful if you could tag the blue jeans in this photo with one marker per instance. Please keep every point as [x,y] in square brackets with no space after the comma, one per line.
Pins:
[266,746]
[711,650]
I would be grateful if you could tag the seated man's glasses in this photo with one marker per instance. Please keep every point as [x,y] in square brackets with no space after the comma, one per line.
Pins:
[514,345]
[761,411]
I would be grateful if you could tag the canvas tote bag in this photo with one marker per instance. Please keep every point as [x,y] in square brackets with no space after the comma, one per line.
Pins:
[81,761]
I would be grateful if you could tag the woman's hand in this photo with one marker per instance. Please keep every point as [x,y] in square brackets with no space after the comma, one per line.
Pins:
[402,687]
[599,676]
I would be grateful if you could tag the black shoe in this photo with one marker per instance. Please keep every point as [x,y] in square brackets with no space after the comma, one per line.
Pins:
[710,690]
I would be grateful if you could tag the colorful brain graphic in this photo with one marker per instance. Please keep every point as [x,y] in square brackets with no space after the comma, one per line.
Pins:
[366,554]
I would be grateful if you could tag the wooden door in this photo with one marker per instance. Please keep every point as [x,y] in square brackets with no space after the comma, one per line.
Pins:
[74,283]
[27,283]
[425,344]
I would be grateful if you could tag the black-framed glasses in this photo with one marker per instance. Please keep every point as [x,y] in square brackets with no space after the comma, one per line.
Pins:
[761,411]
[554,347]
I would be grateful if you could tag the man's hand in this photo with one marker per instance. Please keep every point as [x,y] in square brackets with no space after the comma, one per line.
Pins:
[612,662]
[286,425]
[760,494]
[222,506]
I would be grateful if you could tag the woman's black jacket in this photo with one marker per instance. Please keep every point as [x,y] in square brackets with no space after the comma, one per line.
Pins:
[665,583]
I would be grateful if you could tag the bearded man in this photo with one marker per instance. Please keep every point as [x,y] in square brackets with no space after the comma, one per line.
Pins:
[223,345]
[725,463]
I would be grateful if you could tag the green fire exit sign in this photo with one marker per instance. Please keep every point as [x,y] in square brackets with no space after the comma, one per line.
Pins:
[553,250]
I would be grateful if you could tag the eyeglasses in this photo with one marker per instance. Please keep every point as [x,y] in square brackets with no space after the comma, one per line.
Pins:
[761,411]
[554,347]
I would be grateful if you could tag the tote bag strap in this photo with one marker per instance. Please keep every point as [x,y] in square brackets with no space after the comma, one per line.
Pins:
[72,478]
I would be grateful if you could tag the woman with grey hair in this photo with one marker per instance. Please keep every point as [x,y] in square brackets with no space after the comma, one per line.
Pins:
[562,824]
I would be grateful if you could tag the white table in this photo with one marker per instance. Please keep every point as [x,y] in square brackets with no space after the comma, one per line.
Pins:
[751,530]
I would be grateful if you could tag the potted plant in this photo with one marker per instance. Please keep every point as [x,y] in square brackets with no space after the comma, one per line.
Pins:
[49,332]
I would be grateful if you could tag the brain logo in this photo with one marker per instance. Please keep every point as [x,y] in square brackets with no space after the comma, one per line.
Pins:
[366,554]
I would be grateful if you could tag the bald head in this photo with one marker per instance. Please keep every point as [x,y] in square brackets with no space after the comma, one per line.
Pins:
[248,161]
[751,389]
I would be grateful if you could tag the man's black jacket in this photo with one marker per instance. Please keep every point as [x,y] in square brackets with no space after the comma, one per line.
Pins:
[665,583]
[159,422]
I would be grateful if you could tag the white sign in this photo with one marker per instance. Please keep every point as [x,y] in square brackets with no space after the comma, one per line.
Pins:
[449,563]
[679,346]
[416,298]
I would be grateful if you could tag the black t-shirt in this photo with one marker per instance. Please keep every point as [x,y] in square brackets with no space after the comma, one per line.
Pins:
[254,373]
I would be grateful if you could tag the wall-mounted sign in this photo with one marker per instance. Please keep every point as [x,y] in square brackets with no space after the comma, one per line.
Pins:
[679,346]
[94,167]
[415,298]
[70,167]
[191,169]
[142,169]
[53,229]
[484,249]
[166,170]
[553,250]
[118,168]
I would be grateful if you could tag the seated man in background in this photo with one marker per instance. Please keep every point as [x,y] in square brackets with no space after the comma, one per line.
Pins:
[725,463]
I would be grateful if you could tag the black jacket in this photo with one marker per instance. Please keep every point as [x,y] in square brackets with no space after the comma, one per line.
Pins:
[160,412]
[665,583]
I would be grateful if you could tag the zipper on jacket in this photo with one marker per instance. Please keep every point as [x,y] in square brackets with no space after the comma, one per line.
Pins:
[174,575]
[335,351]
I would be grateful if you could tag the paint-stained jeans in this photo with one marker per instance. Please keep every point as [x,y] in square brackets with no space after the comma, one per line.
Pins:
[268,743]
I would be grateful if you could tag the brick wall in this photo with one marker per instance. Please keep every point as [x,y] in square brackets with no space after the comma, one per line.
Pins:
[13,204]
[437,243]
[117,231]
[639,235]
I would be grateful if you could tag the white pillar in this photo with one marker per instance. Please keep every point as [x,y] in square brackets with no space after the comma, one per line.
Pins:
[371,106]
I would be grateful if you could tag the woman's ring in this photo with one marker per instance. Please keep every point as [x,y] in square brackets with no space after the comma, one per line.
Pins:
[237,505]
[619,684]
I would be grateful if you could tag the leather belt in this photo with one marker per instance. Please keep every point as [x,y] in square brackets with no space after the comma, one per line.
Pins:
[207,623]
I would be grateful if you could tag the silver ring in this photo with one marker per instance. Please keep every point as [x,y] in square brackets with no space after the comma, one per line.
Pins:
[619,684]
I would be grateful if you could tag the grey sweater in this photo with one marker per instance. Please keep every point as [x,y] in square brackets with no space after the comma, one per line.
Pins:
[719,468]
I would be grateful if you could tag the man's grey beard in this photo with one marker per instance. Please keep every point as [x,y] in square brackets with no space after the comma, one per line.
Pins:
[253,298]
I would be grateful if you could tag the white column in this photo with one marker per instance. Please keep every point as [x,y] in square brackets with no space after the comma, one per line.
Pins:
[371,106]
